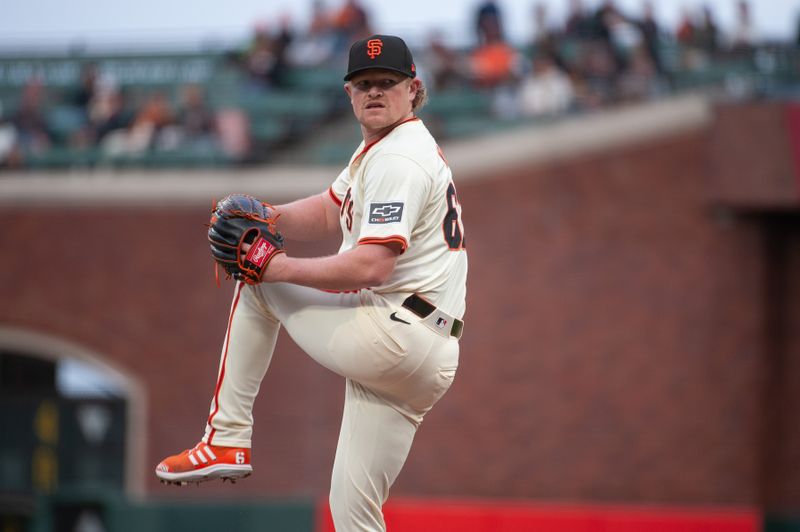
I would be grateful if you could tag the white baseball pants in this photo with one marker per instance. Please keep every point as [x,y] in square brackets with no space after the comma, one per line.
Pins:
[395,373]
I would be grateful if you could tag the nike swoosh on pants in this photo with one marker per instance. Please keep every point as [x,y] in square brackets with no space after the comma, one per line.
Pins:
[393,317]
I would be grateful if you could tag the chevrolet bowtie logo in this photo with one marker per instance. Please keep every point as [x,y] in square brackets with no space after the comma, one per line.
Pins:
[386,210]
[385,213]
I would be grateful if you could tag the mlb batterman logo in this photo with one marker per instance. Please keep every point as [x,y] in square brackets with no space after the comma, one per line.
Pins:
[374,48]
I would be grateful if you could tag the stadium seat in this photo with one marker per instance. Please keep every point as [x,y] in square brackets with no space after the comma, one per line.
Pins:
[315,80]
[267,129]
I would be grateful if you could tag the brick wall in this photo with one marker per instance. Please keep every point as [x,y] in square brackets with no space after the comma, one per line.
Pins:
[752,164]
[617,345]
[614,353]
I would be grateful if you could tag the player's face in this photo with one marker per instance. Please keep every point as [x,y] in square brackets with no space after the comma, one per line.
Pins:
[380,98]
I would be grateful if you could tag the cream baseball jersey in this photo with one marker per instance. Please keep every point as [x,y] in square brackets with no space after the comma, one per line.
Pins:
[400,189]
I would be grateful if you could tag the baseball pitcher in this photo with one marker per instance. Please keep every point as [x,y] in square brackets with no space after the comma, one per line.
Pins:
[385,312]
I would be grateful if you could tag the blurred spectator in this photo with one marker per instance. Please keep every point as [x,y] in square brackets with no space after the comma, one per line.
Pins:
[651,35]
[265,60]
[495,62]
[33,135]
[442,64]
[195,116]
[684,33]
[108,112]
[601,21]
[260,58]
[598,75]
[87,88]
[546,39]
[9,148]
[488,22]
[195,121]
[743,37]
[640,80]
[544,35]
[154,115]
[707,34]
[280,45]
[625,34]
[547,90]
[319,43]
[691,58]
[350,23]
[233,127]
[320,19]
[606,18]
[578,24]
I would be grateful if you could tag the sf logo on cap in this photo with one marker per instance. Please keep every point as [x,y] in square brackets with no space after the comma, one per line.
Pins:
[374,48]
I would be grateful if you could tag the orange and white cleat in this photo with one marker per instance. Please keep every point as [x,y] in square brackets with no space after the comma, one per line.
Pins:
[205,462]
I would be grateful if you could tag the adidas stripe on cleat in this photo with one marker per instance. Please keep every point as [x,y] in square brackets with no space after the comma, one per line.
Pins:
[205,462]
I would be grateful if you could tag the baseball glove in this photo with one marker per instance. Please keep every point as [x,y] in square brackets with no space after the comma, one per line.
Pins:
[240,219]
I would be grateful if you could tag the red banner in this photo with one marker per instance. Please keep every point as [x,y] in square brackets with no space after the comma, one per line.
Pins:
[409,515]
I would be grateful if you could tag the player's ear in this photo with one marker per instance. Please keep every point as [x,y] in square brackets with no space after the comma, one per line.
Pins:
[349,90]
[413,87]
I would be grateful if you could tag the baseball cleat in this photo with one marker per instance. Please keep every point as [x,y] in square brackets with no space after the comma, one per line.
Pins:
[205,462]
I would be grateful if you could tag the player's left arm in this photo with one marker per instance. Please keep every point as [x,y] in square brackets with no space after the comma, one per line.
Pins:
[365,266]
[312,218]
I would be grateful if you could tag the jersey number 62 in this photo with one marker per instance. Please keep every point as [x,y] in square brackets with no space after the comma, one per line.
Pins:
[452,227]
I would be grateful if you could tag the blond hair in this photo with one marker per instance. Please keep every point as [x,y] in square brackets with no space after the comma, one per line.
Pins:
[420,99]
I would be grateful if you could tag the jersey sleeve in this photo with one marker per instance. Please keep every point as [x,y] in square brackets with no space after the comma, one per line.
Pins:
[395,191]
[339,187]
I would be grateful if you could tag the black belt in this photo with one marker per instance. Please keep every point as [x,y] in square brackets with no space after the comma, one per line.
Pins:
[423,309]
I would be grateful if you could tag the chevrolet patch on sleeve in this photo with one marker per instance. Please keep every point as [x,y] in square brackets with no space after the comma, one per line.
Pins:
[384,213]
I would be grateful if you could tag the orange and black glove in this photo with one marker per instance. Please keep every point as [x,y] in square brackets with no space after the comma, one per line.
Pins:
[240,219]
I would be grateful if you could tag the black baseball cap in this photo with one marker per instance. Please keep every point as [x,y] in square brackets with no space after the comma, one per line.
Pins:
[381,51]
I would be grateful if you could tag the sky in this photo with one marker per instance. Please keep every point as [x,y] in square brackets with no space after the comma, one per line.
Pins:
[99,23]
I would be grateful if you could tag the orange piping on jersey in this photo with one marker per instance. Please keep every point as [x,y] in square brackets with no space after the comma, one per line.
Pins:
[386,240]
[341,291]
[374,142]
[334,197]
[222,369]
